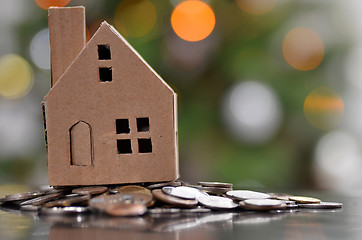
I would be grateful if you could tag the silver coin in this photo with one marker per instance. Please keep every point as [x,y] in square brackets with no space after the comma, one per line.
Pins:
[64,210]
[216,184]
[322,205]
[196,192]
[291,206]
[179,192]
[197,210]
[246,194]
[175,201]
[288,202]
[215,202]
[113,189]
[30,208]
[262,204]
[164,211]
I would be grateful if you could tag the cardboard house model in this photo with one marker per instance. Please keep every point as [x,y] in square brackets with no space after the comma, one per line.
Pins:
[109,118]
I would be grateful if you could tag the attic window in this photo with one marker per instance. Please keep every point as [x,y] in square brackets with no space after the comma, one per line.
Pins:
[143,124]
[122,126]
[105,74]
[104,52]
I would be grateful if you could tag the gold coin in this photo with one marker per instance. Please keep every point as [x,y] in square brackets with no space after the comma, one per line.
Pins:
[216,184]
[213,190]
[134,189]
[301,199]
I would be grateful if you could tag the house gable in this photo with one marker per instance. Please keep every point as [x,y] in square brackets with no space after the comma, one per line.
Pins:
[126,65]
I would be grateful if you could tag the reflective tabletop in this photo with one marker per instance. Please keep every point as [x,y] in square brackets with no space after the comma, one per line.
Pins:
[345,223]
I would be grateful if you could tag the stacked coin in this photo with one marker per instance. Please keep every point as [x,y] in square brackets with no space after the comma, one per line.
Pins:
[157,199]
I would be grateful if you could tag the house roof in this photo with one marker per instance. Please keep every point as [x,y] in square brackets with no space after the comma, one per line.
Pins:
[104,28]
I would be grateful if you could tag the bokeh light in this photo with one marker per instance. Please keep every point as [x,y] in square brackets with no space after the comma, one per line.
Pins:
[252,112]
[135,18]
[338,161]
[20,128]
[303,49]
[256,7]
[46,4]
[40,49]
[323,108]
[193,20]
[16,76]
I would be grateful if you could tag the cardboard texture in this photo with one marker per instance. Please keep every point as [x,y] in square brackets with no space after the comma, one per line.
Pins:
[67,38]
[109,118]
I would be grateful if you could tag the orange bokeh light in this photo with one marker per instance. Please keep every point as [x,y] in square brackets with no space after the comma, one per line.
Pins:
[323,108]
[193,20]
[303,49]
[46,4]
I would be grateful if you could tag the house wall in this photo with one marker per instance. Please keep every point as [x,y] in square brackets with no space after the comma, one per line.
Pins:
[135,91]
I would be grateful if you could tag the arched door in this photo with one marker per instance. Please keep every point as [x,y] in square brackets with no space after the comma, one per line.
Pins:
[81,144]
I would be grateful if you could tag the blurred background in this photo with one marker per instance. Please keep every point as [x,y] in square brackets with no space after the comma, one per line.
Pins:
[269,91]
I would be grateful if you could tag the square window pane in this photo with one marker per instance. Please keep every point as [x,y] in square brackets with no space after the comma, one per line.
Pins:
[122,126]
[104,52]
[124,146]
[144,145]
[143,124]
[105,74]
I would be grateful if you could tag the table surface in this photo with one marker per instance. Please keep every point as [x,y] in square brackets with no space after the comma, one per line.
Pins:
[345,223]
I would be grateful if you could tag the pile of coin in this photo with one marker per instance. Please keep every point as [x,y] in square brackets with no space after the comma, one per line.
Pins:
[155,199]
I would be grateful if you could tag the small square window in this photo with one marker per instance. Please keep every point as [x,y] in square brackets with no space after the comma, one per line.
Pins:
[143,124]
[124,146]
[105,74]
[104,52]
[144,145]
[122,126]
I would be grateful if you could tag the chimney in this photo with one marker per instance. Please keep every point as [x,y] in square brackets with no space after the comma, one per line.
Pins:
[67,37]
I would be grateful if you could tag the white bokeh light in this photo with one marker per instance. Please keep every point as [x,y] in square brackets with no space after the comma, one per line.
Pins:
[40,49]
[20,129]
[337,162]
[252,112]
